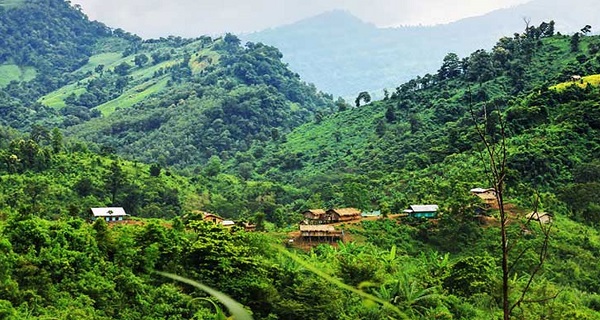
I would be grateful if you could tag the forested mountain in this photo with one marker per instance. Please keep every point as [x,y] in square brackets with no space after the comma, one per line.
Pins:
[393,151]
[343,55]
[214,102]
[209,125]
[41,43]
[174,101]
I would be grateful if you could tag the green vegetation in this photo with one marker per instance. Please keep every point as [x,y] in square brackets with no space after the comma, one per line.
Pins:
[105,59]
[56,99]
[133,96]
[171,127]
[583,82]
[241,95]
[11,72]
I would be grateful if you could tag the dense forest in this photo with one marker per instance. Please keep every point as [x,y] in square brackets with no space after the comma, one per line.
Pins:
[170,128]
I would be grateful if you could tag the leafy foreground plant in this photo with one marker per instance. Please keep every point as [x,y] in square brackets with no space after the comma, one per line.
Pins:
[339,283]
[235,308]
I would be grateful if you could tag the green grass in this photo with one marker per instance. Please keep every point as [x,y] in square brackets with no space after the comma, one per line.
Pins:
[200,62]
[142,81]
[106,59]
[56,99]
[12,72]
[147,71]
[593,80]
[133,95]
[11,3]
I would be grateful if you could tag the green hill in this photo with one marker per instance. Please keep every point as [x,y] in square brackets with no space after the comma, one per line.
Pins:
[171,100]
[209,99]
[404,148]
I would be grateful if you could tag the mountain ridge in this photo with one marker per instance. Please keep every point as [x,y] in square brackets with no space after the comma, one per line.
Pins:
[336,63]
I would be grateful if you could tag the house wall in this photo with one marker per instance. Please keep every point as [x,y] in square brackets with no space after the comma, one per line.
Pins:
[310,216]
[424,214]
[349,218]
[321,234]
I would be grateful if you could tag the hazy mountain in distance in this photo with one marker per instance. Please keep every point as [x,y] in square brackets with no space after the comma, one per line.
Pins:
[343,55]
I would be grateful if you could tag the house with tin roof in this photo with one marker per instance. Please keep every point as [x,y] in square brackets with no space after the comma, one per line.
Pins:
[423,211]
[109,214]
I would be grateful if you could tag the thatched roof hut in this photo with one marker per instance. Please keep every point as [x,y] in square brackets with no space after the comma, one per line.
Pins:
[342,214]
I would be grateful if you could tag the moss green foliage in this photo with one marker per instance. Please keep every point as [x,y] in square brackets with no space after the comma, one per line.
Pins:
[46,40]
[205,97]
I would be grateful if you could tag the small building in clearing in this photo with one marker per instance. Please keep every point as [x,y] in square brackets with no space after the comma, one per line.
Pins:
[368,214]
[423,211]
[314,215]
[227,223]
[487,195]
[542,217]
[212,218]
[340,215]
[109,214]
[320,232]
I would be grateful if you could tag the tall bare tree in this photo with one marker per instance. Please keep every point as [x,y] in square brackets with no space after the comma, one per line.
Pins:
[491,128]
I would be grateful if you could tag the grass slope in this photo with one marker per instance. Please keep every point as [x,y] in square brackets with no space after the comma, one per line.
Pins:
[12,72]
[106,59]
[143,80]
[134,95]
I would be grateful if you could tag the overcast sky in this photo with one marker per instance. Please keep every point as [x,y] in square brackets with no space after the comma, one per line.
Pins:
[192,18]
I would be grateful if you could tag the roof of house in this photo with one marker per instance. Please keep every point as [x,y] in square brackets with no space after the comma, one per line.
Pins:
[486,195]
[375,213]
[227,223]
[346,211]
[108,212]
[316,227]
[481,190]
[206,215]
[316,212]
[538,215]
[424,208]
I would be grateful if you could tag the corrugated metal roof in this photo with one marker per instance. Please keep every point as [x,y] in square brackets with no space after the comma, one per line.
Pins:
[375,213]
[108,212]
[424,208]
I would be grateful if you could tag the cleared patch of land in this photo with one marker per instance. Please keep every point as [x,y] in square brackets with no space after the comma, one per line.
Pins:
[12,72]
[133,95]
[106,59]
[56,99]
[593,80]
